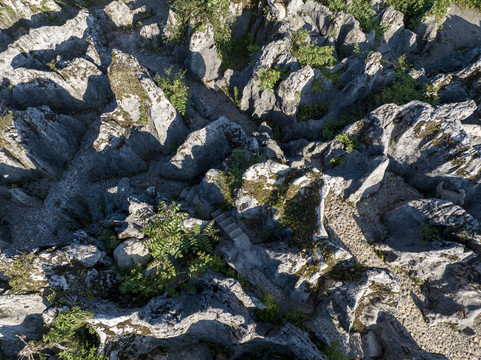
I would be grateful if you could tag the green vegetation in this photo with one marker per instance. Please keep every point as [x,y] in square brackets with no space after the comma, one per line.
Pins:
[271,313]
[178,253]
[232,179]
[218,265]
[360,9]
[5,121]
[431,233]
[20,274]
[297,318]
[403,89]
[297,209]
[349,142]
[308,112]
[77,339]
[333,352]
[234,54]
[308,53]
[268,78]
[337,160]
[351,272]
[52,65]
[198,13]
[110,240]
[124,82]
[174,87]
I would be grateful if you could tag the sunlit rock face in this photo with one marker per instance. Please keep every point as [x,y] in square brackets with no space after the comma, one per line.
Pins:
[175,195]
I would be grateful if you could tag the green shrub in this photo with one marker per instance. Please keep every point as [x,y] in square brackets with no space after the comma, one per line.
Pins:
[360,9]
[308,112]
[412,10]
[201,12]
[234,54]
[349,142]
[174,87]
[337,160]
[333,352]
[363,12]
[431,233]
[271,313]
[110,240]
[20,274]
[268,78]
[65,325]
[219,265]
[232,179]
[296,317]
[310,54]
[177,252]
[79,340]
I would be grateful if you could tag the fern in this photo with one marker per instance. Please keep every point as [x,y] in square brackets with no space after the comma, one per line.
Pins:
[172,247]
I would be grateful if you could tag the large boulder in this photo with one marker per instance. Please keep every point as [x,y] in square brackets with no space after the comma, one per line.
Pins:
[22,316]
[47,67]
[203,60]
[221,312]
[204,149]
[39,141]
[426,146]
[132,252]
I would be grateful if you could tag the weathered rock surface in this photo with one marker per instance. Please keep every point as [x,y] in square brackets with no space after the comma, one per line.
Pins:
[38,141]
[204,148]
[21,315]
[203,60]
[132,252]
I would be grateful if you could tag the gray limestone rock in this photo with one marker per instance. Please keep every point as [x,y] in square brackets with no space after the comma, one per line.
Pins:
[203,60]
[205,148]
[21,315]
[120,14]
[132,252]
[38,139]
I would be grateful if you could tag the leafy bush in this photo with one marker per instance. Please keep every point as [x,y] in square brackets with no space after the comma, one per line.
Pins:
[360,9]
[310,54]
[177,252]
[200,12]
[20,274]
[431,233]
[349,142]
[308,112]
[268,78]
[271,313]
[110,240]
[333,352]
[79,340]
[234,54]
[232,179]
[66,323]
[338,160]
[174,87]
[412,10]
[296,317]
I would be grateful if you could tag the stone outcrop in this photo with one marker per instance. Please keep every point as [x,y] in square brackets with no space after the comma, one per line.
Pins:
[205,148]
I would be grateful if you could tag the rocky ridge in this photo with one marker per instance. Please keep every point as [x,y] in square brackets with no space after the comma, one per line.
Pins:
[346,194]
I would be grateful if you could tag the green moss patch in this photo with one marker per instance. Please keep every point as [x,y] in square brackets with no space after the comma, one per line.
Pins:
[124,82]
